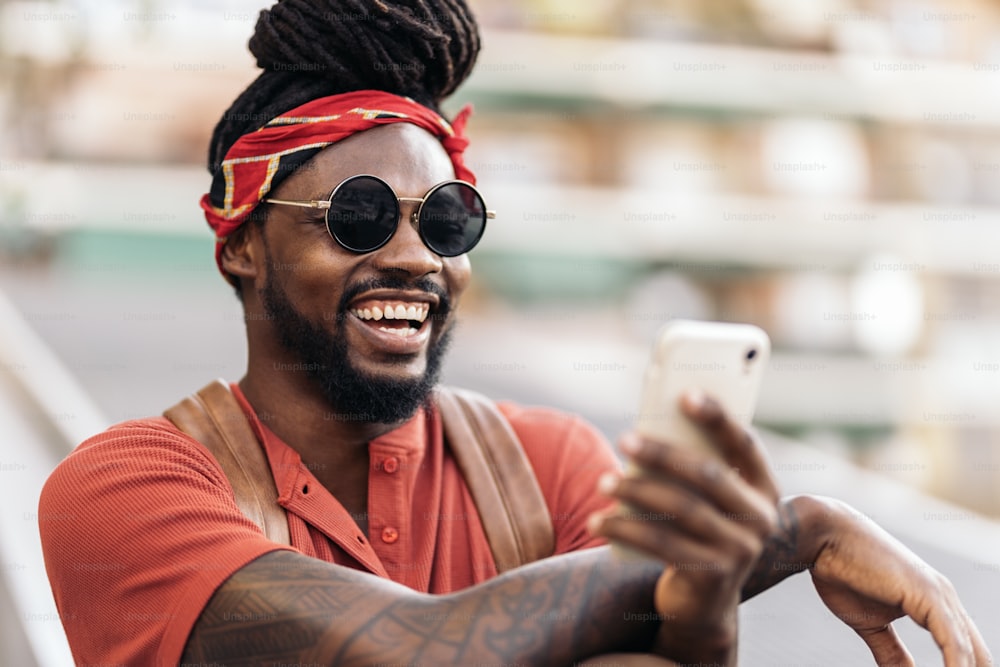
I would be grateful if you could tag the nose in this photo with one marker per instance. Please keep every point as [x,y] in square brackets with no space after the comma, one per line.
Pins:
[406,251]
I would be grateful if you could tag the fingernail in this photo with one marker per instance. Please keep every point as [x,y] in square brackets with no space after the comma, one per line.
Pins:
[695,399]
[629,445]
[607,483]
[594,523]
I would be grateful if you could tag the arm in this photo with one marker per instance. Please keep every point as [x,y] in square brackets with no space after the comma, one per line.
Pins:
[291,608]
[868,579]
[785,552]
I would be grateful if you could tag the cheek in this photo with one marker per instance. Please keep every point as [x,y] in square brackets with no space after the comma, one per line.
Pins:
[458,273]
[310,263]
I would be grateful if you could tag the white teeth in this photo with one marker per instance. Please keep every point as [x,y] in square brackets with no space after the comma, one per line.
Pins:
[402,333]
[417,313]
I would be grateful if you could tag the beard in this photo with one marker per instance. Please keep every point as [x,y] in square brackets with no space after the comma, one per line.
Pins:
[354,395]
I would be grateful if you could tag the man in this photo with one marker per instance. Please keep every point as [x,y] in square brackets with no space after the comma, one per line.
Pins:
[331,215]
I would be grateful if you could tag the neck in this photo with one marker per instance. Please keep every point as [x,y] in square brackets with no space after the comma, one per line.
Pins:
[291,406]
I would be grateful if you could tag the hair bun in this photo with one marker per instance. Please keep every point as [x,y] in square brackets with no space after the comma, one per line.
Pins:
[420,48]
[308,49]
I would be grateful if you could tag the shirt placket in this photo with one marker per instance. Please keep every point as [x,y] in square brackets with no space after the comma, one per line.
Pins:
[389,524]
[314,504]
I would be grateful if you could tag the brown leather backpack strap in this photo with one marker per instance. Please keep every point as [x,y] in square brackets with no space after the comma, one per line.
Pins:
[499,476]
[214,418]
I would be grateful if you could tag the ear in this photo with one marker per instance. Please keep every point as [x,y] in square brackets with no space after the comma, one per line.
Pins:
[243,253]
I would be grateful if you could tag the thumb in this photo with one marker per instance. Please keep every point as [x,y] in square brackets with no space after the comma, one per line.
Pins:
[886,647]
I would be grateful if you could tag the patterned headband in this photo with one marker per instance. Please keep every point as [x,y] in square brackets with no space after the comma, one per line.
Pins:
[260,160]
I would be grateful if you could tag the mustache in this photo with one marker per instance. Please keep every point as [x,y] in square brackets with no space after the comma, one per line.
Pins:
[393,283]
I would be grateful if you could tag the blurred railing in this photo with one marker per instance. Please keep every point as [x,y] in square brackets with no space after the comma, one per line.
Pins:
[43,415]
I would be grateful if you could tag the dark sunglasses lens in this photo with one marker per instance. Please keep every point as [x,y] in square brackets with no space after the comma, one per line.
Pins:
[452,219]
[363,214]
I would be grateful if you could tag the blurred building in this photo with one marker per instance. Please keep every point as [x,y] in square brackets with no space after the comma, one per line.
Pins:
[829,170]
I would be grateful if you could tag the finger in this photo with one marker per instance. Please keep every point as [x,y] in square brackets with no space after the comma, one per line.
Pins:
[950,627]
[976,645]
[982,653]
[943,615]
[704,474]
[681,512]
[671,547]
[727,511]
[983,656]
[886,647]
[738,446]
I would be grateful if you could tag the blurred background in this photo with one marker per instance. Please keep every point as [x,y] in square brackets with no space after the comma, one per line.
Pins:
[828,170]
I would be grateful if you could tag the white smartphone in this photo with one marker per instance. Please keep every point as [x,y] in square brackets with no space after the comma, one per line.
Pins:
[724,360]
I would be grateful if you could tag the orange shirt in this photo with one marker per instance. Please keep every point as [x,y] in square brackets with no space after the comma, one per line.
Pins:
[139,525]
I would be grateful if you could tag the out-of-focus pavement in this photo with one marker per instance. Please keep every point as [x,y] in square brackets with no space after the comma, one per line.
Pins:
[137,345]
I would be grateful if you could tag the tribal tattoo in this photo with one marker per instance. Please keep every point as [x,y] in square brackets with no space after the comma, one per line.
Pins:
[288,608]
[780,558]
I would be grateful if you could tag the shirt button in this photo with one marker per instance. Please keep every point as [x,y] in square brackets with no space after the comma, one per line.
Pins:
[390,465]
[389,535]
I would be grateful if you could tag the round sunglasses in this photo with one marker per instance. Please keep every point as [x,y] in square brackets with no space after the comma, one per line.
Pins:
[362,214]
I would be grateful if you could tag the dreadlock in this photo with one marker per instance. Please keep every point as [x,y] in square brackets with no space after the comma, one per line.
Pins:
[308,49]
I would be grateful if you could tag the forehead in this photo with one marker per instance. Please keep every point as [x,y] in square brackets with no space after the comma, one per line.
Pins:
[407,157]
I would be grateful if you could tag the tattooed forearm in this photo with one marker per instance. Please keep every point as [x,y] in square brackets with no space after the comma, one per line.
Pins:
[285,607]
[782,555]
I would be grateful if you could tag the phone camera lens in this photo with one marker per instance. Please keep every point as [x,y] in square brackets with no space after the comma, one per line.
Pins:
[751,354]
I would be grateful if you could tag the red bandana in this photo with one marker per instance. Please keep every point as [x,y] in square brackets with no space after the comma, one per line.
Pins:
[258,161]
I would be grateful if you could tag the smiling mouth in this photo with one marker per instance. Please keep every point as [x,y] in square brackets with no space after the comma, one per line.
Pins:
[394,317]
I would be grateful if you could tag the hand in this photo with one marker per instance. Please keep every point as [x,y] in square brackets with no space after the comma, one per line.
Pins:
[868,579]
[706,518]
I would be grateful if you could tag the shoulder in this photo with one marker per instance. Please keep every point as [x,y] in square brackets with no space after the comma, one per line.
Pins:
[148,431]
[132,448]
[557,443]
[538,426]
[143,460]
[564,448]
[139,526]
